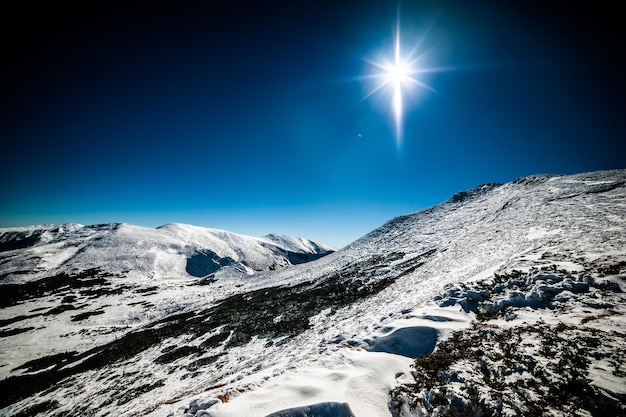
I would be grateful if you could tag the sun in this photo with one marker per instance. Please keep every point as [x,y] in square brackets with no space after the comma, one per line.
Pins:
[398,75]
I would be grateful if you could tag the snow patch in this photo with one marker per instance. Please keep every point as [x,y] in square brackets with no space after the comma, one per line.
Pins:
[539,232]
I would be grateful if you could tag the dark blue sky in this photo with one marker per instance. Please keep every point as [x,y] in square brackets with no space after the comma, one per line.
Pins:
[252,118]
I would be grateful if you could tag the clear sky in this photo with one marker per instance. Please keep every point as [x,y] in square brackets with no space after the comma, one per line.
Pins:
[259,118]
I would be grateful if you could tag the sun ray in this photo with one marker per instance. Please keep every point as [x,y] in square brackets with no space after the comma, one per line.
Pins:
[398,73]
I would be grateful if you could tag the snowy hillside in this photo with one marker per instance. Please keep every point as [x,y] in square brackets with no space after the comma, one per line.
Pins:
[513,292]
[172,250]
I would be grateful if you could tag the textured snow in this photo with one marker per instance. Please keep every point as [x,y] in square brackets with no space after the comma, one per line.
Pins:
[150,279]
[141,252]
[322,338]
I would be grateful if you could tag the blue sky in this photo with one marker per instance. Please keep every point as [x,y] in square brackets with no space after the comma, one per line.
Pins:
[254,118]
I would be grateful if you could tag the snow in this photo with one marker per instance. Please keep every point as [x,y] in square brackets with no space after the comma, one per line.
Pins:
[141,252]
[406,341]
[325,337]
[538,233]
[340,375]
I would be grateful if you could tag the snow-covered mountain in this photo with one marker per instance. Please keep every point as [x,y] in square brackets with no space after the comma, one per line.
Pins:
[172,250]
[511,295]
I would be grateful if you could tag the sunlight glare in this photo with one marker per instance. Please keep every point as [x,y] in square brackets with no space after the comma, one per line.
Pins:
[397,75]
[397,110]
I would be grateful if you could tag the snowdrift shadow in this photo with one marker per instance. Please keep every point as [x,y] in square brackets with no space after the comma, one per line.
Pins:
[407,341]
[316,410]
[206,262]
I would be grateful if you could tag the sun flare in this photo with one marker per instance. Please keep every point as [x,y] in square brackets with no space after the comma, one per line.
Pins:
[396,76]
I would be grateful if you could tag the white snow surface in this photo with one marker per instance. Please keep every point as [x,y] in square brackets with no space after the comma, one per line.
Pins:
[142,252]
[324,338]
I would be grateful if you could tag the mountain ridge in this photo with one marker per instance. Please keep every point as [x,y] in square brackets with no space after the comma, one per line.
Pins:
[125,248]
[334,335]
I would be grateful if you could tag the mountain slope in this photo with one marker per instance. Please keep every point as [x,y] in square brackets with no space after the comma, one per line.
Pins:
[172,250]
[68,288]
[337,335]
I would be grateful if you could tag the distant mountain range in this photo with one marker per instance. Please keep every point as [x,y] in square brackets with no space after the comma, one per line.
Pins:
[507,299]
[172,250]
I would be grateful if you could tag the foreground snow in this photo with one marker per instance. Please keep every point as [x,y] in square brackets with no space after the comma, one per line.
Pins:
[327,338]
[544,342]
